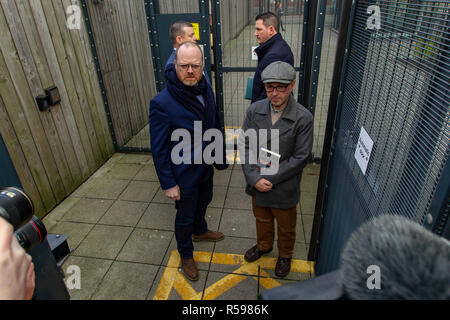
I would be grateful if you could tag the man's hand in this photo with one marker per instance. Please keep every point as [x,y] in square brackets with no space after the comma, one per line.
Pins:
[16,268]
[173,193]
[263,185]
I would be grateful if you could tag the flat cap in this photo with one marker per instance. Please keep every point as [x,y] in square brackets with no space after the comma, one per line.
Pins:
[278,71]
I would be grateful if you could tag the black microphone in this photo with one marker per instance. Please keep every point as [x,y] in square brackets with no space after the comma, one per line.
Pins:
[409,261]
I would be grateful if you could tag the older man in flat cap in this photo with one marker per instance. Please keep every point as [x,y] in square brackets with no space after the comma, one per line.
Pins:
[275,184]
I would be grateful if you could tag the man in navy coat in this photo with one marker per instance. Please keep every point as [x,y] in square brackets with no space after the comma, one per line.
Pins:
[181,31]
[186,108]
[272,47]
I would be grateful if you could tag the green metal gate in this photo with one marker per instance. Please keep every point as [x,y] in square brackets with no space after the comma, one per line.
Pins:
[390,143]
[226,30]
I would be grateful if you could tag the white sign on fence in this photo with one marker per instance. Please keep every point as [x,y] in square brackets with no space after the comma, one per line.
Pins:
[254,55]
[363,150]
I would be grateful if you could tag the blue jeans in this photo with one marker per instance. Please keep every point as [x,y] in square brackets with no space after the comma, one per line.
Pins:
[190,218]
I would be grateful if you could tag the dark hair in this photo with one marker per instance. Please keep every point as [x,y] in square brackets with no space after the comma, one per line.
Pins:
[188,44]
[269,19]
[177,29]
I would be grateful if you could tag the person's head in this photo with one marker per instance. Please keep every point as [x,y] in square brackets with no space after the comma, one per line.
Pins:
[279,79]
[189,63]
[266,26]
[180,32]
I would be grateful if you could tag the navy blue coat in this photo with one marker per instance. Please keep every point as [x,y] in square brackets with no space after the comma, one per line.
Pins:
[167,115]
[274,49]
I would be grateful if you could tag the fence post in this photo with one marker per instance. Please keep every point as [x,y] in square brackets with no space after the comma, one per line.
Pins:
[217,51]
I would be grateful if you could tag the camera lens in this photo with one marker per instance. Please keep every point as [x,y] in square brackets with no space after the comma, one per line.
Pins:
[15,206]
[31,234]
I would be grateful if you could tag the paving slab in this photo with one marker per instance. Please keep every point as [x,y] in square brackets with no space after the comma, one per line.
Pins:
[75,231]
[92,271]
[140,191]
[124,213]
[88,210]
[146,246]
[121,230]
[103,242]
[126,281]
[159,216]
[238,199]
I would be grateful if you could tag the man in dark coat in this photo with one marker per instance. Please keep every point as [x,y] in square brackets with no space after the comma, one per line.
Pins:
[181,31]
[272,47]
[186,109]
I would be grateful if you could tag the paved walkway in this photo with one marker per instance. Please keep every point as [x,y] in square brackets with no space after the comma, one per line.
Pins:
[121,230]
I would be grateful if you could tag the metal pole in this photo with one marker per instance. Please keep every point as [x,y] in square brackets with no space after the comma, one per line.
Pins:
[300,96]
[308,53]
[217,51]
[335,96]
[204,29]
[151,7]
[317,54]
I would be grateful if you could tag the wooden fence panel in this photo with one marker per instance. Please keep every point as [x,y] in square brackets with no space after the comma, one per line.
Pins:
[53,151]
[123,46]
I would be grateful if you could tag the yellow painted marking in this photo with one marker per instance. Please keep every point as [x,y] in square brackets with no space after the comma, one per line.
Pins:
[168,278]
[174,279]
[196,30]
[266,281]
[185,289]
[231,133]
[223,285]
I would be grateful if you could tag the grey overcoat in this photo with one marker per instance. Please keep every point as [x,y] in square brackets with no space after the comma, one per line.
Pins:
[295,133]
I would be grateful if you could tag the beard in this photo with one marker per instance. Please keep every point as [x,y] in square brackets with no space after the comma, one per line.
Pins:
[190,82]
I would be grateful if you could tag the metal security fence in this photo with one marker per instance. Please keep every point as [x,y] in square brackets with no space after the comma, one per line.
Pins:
[238,42]
[226,29]
[309,27]
[395,86]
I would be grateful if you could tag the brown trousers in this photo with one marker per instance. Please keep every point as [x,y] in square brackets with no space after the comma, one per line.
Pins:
[265,230]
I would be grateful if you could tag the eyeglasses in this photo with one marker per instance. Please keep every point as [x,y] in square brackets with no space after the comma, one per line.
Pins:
[185,67]
[279,88]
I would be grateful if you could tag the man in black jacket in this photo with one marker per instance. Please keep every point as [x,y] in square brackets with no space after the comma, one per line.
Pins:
[272,47]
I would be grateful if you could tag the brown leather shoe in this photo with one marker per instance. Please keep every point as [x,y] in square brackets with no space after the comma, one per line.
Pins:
[209,236]
[189,269]
[254,254]
[283,267]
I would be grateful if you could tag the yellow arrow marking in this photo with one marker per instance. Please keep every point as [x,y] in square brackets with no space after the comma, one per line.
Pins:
[173,279]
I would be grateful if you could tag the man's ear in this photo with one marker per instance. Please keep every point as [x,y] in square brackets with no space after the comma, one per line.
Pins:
[179,40]
[292,85]
[272,30]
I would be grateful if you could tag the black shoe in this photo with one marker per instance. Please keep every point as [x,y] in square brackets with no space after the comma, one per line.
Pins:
[254,254]
[283,267]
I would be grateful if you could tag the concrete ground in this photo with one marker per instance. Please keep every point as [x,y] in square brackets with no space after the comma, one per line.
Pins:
[121,233]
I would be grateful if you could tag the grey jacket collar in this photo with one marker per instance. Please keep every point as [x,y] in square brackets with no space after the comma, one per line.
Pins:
[288,113]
